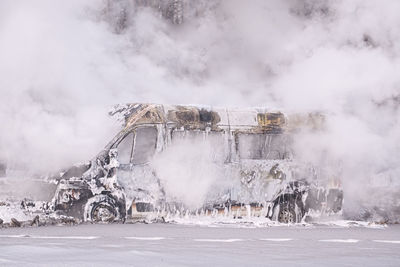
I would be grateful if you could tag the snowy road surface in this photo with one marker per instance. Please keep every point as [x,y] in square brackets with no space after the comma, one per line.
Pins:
[179,245]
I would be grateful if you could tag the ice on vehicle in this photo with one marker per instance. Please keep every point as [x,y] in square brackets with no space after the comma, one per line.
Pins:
[181,161]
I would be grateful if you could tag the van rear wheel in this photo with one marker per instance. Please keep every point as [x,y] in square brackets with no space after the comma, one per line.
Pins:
[286,215]
[288,211]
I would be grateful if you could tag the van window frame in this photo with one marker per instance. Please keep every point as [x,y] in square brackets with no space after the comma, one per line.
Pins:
[282,156]
[206,136]
[116,145]
[133,130]
[134,142]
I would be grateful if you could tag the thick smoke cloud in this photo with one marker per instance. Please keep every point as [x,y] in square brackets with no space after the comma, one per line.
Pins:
[190,172]
[62,63]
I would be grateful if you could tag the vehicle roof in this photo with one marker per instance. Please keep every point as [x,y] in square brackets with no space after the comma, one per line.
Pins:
[201,117]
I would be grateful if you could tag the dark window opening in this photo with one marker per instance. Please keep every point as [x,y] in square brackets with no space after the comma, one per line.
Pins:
[262,146]
[125,149]
[145,144]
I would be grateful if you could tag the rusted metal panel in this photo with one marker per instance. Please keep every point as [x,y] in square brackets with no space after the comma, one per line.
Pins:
[273,122]
[271,119]
[193,117]
[238,120]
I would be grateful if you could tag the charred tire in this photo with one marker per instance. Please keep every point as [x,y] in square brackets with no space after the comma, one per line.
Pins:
[103,208]
[289,209]
[286,213]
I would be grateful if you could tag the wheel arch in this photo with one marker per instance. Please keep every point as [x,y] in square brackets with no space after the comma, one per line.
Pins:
[107,199]
[293,201]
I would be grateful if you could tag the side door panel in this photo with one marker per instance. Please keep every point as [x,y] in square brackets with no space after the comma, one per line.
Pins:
[138,178]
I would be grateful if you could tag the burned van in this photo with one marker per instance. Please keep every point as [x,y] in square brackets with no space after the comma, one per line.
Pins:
[258,175]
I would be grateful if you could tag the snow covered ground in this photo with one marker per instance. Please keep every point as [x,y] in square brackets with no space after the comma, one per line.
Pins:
[184,245]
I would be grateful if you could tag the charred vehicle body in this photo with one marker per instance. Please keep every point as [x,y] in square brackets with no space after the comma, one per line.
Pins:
[253,149]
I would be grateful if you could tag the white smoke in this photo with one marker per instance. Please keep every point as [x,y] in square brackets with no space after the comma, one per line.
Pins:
[62,63]
[190,172]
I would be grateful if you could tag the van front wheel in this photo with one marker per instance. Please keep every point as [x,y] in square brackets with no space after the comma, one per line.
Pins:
[102,208]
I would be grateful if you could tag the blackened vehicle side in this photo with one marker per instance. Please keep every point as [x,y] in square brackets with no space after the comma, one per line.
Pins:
[254,146]
[89,192]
